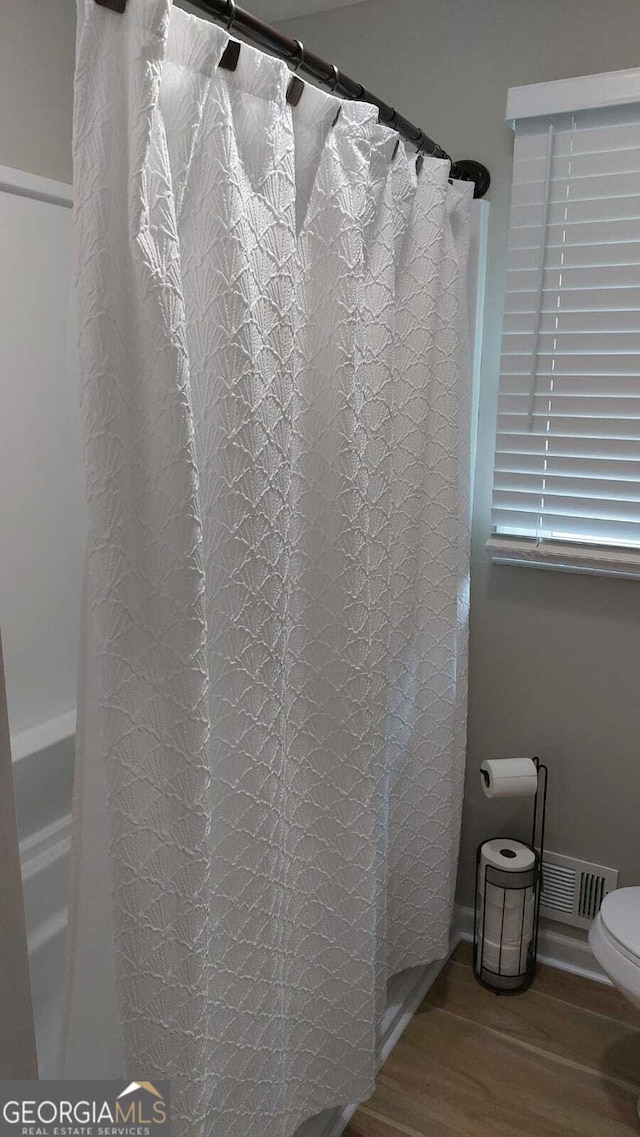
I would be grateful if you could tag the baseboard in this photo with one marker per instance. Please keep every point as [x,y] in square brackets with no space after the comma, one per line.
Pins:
[554,947]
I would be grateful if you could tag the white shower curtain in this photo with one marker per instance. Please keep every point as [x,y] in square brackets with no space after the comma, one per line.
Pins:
[274,386]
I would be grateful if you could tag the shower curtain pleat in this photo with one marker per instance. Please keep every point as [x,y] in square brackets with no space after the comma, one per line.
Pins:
[274,392]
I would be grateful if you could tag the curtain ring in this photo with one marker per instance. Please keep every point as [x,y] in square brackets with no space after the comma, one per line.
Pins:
[232,13]
[300,46]
[336,77]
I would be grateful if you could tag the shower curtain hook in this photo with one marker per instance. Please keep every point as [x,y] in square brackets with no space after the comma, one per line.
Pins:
[336,77]
[300,46]
[231,9]
[231,53]
[420,155]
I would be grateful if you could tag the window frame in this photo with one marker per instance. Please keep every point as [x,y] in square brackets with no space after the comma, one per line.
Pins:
[588,92]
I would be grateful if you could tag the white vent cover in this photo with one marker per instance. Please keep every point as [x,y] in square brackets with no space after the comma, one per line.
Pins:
[572,891]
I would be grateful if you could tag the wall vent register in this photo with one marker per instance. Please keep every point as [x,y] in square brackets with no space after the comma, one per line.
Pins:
[567,465]
[573,890]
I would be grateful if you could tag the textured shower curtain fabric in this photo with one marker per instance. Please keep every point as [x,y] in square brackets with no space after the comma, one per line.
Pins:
[274,390]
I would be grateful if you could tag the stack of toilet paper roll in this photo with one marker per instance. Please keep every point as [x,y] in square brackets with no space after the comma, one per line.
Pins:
[505,915]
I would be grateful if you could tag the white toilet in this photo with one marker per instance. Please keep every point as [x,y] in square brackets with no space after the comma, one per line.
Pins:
[614,938]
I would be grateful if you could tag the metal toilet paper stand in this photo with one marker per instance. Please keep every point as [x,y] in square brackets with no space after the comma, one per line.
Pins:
[504,884]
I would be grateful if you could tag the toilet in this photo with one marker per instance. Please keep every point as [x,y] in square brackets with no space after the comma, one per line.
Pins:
[614,938]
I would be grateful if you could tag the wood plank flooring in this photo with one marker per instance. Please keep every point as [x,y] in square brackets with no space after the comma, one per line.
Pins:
[564,1058]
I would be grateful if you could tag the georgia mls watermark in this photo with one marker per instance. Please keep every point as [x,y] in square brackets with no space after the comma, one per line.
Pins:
[84,1109]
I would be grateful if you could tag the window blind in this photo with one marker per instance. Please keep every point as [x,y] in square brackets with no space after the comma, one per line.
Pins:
[567,465]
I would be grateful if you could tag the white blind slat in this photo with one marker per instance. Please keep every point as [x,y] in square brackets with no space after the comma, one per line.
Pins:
[578,300]
[565,426]
[615,497]
[591,322]
[594,187]
[525,284]
[620,414]
[594,450]
[603,509]
[565,363]
[617,213]
[579,166]
[576,256]
[625,386]
[573,468]
[585,344]
[615,232]
[557,527]
[603,131]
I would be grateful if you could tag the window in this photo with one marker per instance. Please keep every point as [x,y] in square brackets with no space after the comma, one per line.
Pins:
[567,466]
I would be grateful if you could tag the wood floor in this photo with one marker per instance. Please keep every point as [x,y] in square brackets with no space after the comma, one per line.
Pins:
[564,1058]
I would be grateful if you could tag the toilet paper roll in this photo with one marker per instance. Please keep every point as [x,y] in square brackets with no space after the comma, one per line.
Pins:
[509,922]
[509,777]
[505,854]
[511,961]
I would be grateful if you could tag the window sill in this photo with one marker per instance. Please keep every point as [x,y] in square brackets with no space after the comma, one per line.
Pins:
[596,560]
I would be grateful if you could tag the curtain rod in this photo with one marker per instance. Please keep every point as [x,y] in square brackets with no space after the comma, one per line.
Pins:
[307,63]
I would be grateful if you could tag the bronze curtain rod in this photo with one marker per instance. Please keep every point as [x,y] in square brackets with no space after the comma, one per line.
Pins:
[307,63]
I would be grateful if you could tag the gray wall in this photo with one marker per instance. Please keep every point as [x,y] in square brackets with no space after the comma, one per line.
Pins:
[555,658]
[37,47]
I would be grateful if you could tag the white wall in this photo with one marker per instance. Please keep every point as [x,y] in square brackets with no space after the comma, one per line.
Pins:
[42,508]
[555,659]
[42,529]
[40,472]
